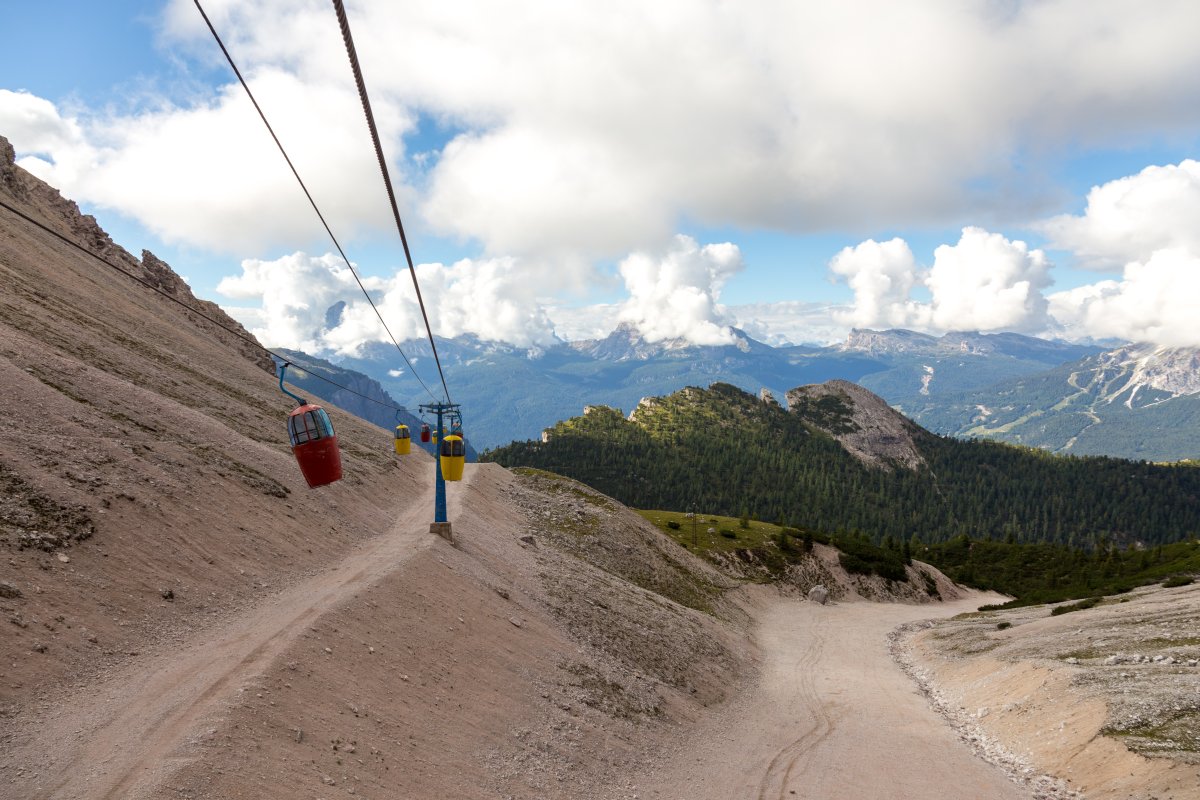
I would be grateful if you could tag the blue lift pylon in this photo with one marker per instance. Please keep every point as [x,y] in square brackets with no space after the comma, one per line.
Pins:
[440,524]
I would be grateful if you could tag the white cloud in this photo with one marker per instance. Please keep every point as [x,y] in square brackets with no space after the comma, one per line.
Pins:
[1155,302]
[488,298]
[988,283]
[209,175]
[985,282]
[1146,224]
[34,126]
[882,276]
[1130,218]
[576,323]
[674,295]
[578,135]
[790,322]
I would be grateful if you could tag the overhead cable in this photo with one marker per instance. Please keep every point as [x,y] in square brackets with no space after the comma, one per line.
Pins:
[321,216]
[387,178]
[234,331]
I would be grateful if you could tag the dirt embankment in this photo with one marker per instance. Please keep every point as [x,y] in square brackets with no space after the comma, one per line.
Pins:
[1105,698]
[507,665]
[147,490]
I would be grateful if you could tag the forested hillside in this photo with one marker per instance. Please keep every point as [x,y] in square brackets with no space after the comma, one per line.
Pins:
[724,451]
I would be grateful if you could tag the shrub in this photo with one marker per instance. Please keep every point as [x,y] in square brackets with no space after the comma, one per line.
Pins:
[1002,626]
[784,542]
[854,565]
[728,534]
[865,559]
[1177,580]
[673,525]
[1080,606]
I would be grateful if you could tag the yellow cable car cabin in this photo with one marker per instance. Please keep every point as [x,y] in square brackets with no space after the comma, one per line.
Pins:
[454,455]
[403,440]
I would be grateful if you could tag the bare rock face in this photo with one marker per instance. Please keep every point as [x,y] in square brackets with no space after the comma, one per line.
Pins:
[1132,368]
[861,421]
[45,204]
[764,394]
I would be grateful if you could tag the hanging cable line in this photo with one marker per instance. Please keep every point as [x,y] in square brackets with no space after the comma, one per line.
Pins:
[321,216]
[387,179]
[239,334]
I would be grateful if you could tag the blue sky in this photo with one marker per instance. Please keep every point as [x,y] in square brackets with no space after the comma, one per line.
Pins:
[571,170]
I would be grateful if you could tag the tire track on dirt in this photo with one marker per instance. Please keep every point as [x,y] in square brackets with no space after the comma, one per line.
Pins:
[153,709]
[852,724]
[778,774]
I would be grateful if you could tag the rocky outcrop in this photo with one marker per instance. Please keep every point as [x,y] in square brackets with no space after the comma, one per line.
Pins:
[44,203]
[861,421]
[1128,370]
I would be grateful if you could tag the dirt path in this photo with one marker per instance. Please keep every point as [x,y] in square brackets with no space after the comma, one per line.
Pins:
[118,741]
[833,717]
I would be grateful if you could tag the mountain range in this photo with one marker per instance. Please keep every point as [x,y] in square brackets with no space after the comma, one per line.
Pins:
[1005,386]
[1135,401]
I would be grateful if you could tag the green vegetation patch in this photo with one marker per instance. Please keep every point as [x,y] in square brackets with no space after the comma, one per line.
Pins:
[677,526]
[863,558]
[1080,606]
[1051,573]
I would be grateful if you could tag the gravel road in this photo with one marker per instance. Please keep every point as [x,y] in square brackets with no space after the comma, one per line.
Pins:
[832,717]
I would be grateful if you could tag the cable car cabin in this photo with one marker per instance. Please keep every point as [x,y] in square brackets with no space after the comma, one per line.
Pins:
[315,445]
[425,432]
[403,441]
[454,455]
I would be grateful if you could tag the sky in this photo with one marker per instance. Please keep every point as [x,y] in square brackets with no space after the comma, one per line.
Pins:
[794,169]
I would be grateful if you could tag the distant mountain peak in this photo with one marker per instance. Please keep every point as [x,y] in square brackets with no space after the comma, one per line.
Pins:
[1132,368]
[626,343]
[901,342]
[861,421]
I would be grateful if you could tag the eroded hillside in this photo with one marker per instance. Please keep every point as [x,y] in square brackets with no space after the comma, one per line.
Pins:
[185,618]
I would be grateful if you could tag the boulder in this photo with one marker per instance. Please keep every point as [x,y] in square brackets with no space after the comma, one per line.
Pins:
[818,594]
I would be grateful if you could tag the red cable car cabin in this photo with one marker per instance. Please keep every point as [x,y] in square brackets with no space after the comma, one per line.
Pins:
[315,445]
[425,435]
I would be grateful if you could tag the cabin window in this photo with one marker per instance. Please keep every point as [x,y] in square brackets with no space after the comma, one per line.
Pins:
[309,426]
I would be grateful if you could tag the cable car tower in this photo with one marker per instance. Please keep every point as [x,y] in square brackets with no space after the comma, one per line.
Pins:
[449,455]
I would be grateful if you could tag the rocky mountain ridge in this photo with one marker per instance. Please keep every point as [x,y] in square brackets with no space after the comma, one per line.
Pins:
[1134,368]
[861,421]
[46,204]
[1136,401]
